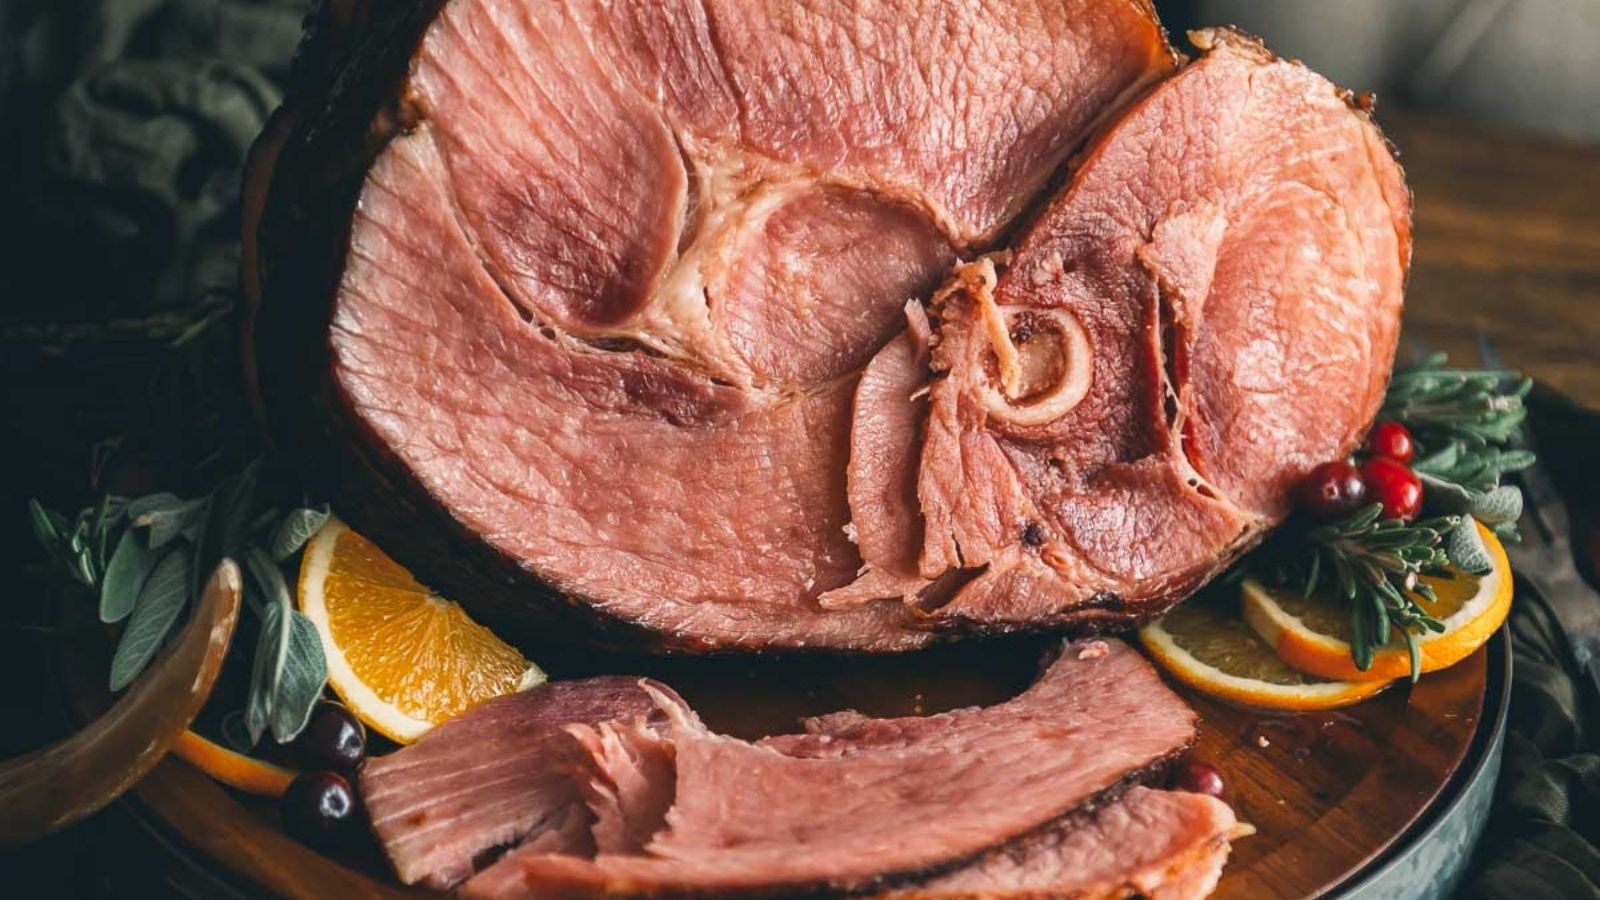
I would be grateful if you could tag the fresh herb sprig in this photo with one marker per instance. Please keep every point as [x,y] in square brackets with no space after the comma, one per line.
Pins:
[1372,564]
[1465,421]
[147,559]
[1473,407]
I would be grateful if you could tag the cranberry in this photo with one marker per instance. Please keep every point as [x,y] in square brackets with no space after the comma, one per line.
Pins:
[320,809]
[333,739]
[1198,778]
[1332,490]
[1394,485]
[1392,440]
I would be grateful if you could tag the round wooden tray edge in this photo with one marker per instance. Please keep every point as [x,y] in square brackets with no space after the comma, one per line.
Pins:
[1473,779]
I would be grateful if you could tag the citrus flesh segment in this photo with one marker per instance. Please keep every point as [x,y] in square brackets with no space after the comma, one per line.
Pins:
[1206,645]
[1312,634]
[401,657]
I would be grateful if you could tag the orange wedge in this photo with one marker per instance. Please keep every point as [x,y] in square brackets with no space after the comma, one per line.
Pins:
[1207,646]
[401,657]
[1312,634]
[244,773]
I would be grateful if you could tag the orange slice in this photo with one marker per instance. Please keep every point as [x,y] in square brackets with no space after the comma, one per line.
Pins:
[244,773]
[401,657]
[1312,634]
[1206,645]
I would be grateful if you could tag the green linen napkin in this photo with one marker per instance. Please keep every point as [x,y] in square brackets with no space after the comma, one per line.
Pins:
[1544,829]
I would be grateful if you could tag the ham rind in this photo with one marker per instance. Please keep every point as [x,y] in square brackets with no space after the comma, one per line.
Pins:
[566,302]
[496,778]
[854,801]
[1164,845]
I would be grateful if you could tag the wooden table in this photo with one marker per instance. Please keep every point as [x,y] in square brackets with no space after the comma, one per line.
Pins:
[1507,244]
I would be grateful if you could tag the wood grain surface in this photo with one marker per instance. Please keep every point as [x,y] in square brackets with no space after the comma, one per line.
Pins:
[1327,792]
[1506,245]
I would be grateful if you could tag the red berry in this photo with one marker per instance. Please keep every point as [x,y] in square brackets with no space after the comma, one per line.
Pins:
[1332,490]
[1394,485]
[1392,440]
[1198,778]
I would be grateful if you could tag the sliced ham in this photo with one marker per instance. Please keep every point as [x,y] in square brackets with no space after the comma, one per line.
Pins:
[494,779]
[853,801]
[1163,845]
[1120,407]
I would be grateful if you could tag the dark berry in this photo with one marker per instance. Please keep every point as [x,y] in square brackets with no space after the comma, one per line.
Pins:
[1198,778]
[1394,485]
[1393,441]
[320,809]
[332,739]
[1332,490]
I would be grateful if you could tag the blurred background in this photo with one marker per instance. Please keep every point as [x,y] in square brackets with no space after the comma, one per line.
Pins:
[1529,65]
[125,124]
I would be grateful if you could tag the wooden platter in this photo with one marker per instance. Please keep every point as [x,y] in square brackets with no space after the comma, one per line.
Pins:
[1332,795]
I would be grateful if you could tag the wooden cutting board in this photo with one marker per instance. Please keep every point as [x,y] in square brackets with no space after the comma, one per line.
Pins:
[1329,793]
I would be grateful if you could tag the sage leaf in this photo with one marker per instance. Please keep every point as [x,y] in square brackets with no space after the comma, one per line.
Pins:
[125,575]
[305,672]
[152,503]
[48,526]
[170,522]
[101,530]
[159,603]
[295,529]
[234,734]
[1445,496]
[258,706]
[226,523]
[1465,548]
[1503,504]
[272,648]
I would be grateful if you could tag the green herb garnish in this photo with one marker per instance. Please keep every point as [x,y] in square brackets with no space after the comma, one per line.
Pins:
[1464,421]
[147,560]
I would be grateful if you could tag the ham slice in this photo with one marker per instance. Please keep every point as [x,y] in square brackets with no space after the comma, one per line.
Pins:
[1164,845]
[494,779]
[853,801]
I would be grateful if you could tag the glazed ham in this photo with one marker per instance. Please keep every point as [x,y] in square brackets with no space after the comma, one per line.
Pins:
[496,779]
[1162,845]
[624,321]
[1116,409]
[1021,796]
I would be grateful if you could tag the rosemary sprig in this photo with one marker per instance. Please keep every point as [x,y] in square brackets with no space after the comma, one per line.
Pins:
[1464,420]
[147,559]
[1372,564]
[1472,407]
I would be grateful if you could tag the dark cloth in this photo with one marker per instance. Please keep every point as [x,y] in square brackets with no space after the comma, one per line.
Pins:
[1543,832]
[138,114]
[1543,836]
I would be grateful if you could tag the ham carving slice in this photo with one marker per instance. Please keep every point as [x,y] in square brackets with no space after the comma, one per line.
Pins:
[624,321]
[1021,798]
